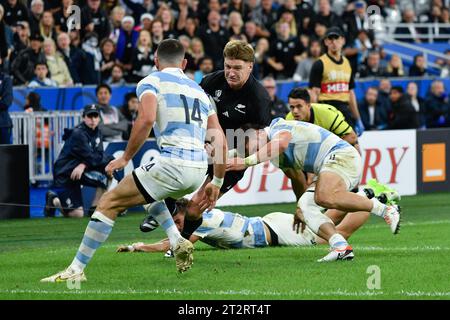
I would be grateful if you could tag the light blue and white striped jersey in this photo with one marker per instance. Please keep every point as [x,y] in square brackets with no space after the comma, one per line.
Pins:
[309,146]
[181,117]
[223,229]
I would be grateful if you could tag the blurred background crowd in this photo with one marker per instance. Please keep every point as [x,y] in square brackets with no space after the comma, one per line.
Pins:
[115,41]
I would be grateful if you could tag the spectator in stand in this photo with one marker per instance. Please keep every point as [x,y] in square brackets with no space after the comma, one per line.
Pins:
[285,52]
[403,116]
[374,115]
[116,78]
[278,108]
[157,33]
[191,66]
[168,21]
[15,11]
[47,26]
[445,29]
[444,65]
[384,90]
[59,72]
[206,7]
[320,30]
[183,10]
[140,8]
[94,19]
[23,66]
[437,106]
[143,58]
[117,15]
[304,67]
[197,51]
[62,16]
[52,5]
[113,124]
[75,39]
[288,5]
[286,17]
[265,17]
[358,20]
[33,103]
[74,57]
[129,111]
[109,5]
[41,78]
[261,68]
[126,43]
[408,33]
[395,67]
[108,50]
[146,22]
[91,72]
[239,6]
[21,39]
[372,66]
[35,14]
[190,27]
[250,33]
[417,102]
[6,99]
[326,17]
[206,66]
[6,41]
[215,36]
[418,69]
[235,25]
[305,17]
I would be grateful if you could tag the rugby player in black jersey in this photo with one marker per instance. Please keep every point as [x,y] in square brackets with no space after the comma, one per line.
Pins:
[239,99]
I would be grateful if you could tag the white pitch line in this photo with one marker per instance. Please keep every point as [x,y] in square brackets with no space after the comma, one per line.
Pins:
[409,224]
[410,249]
[304,292]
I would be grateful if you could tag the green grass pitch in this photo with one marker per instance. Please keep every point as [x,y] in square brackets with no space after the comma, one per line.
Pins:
[413,265]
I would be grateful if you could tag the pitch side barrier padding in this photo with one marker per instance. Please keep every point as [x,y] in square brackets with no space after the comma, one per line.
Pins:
[14,186]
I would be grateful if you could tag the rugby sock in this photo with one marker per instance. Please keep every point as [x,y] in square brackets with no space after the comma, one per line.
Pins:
[190,226]
[366,193]
[337,240]
[97,231]
[161,214]
[378,208]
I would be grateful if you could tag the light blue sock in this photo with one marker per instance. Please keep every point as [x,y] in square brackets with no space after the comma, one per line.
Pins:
[159,211]
[337,240]
[97,231]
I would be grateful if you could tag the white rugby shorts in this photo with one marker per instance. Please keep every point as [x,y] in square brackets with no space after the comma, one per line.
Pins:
[281,223]
[347,164]
[161,179]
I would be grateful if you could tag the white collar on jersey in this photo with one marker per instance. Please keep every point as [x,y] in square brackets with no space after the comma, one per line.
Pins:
[174,70]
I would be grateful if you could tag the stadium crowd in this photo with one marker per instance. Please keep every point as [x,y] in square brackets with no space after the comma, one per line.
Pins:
[115,42]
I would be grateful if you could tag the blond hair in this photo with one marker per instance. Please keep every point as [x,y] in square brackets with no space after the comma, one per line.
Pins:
[238,49]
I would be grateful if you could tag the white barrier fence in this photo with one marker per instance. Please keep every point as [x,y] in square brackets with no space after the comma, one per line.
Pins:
[42,132]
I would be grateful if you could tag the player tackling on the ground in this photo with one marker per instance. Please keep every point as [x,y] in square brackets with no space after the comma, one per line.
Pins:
[183,113]
[305,146]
